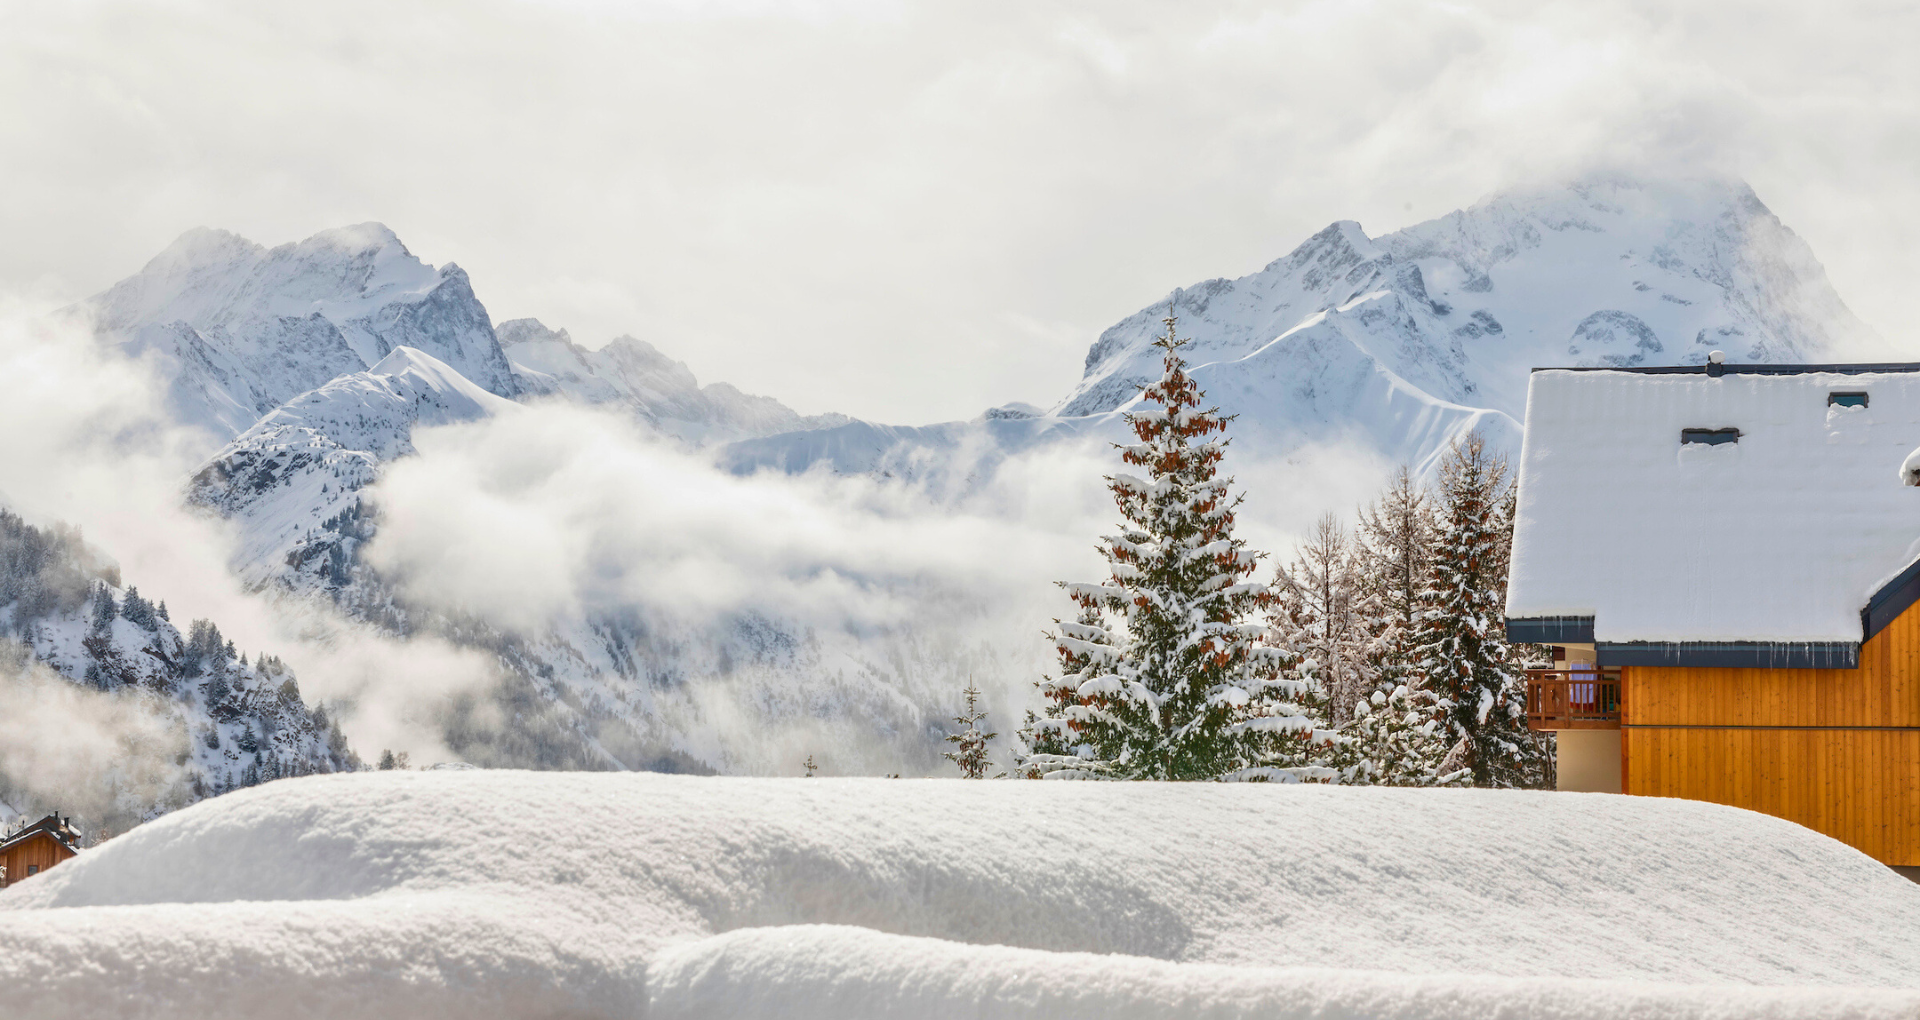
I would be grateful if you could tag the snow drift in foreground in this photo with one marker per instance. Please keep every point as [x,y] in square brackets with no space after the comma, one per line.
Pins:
[499,894]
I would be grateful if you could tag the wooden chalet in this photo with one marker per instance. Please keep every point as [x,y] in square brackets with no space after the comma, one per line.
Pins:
[1725,560]
[34,848]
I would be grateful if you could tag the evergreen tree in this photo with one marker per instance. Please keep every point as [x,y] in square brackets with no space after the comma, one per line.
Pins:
[970,751]
[1394,543]
[136,610]
[104,611]
[1322,611]
[1178,685]
[1394,740]
[1464,658]
[161,611]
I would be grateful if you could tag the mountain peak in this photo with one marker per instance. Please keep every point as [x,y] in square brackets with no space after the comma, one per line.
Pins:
[522,331]
[358,237]
[1416,334]
[201,246]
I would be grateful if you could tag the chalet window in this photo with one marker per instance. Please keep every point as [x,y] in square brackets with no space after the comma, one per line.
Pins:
[1853,398]
[1711,437]
[33,869]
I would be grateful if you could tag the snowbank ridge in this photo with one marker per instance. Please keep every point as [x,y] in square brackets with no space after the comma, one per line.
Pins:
[484,894]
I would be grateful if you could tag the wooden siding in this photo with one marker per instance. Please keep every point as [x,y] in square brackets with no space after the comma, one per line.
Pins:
[1836,750]
[41,850]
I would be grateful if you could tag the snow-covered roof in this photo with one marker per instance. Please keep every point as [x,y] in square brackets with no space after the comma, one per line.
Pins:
[1778,539]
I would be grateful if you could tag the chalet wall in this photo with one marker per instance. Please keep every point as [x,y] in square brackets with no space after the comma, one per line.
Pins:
[1836,750]
[42,851]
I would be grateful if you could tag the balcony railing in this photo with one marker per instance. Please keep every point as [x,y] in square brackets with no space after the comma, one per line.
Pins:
[1573,699]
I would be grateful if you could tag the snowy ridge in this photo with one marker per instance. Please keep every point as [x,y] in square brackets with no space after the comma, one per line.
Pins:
[1402,342]
[498,894]
[293,482]
[1601,272]
[240,328]
[660,391]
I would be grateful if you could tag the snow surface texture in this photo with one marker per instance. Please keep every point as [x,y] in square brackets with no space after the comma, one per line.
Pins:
[1781,536]
[659,390]
[1404,341]
[479,894]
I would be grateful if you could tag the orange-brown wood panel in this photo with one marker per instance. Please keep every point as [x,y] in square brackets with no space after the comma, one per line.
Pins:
[1860,786]
[41,853]
[1837,750]
[1884,691]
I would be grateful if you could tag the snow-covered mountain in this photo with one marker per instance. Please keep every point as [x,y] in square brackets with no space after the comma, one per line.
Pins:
[240,328]
[1403,341]
[294,481]
[660,391]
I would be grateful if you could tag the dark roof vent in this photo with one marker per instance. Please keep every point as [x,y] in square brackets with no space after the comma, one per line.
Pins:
[1847,398]
[1711,437]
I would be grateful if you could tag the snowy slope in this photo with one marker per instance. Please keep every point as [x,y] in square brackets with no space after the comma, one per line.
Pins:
[488,894]
[233,720]
[1401,342]
[633,374]
[293,481]
[240,328]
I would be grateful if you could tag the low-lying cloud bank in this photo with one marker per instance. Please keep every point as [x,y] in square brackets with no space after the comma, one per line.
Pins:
[109,758]
[898,593]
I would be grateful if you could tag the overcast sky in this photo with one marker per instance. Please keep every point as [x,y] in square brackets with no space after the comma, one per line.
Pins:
[905,211]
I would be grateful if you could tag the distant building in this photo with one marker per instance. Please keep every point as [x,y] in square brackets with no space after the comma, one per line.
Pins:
[37,847]
[1725,561]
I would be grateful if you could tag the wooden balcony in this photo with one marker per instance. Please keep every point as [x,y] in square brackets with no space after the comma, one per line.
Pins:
[1573,699]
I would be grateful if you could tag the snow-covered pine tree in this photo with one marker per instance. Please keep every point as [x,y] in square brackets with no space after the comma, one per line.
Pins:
[970,750]
[104,610]
[1464,657]
[1395,730]
[136,610]
[1179,686]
